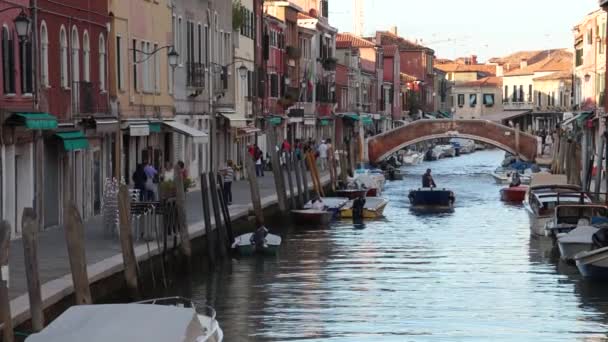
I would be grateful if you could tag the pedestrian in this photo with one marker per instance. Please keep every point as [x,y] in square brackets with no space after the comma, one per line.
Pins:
[139,181]
[183,170]
[323,155]
[151,174]
[285,149]
[168,174]
[228,176]
[259,162]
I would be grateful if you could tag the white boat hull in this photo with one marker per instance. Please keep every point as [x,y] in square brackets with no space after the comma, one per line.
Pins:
[593,264]
[567,250]
[537,224]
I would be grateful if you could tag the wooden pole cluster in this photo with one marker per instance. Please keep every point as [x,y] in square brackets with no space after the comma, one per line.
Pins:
[302,165]
[126,241]
[5,304]
[298,174]
[74,230]
[255,190]
[288,167]
[225,212]
[600,158]
[180,203]
[219,227]
[277,171]
[29,224]
[314,174]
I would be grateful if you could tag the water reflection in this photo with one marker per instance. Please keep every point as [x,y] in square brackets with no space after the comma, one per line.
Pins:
[471,275]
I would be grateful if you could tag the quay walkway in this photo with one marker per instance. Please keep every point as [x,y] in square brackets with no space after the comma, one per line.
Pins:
[103,253]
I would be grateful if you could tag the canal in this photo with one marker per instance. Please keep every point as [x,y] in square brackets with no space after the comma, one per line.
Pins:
[472,275]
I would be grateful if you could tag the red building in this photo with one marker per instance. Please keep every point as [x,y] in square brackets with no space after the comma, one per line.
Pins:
[390,101]
[72,83]
[274,53]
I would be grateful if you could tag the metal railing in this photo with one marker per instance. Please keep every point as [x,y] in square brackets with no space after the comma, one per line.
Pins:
[195,75]
[87,98]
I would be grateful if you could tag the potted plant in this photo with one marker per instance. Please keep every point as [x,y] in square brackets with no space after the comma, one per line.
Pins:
[329,63]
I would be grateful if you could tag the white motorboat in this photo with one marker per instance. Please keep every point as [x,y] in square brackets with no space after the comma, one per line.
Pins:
[593,264]
[504,175]
[447,151]
[246,247]
[413,158]
[578,240]
[479,147]
[566,218]
[464,146]
[541,200]
[158,320]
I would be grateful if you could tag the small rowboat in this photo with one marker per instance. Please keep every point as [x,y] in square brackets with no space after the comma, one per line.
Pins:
[244,246]
[429,199]
[351,193]
[333,204]
[312,216]
[374,208]
[513,194]
[593,264]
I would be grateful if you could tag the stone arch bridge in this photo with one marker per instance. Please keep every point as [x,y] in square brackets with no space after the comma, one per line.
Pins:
[506,138]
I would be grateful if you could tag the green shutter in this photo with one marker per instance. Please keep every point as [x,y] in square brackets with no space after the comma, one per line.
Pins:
[73,140]
[275,121]
[41,121]
[324,122]
[366,120]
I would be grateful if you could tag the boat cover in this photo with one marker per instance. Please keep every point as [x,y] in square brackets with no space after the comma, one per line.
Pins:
[543,178]
[123,323]
[581,234]
[330,202]
[371,203]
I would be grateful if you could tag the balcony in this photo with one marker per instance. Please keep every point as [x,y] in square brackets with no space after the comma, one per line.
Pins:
[510,105]
[195,75]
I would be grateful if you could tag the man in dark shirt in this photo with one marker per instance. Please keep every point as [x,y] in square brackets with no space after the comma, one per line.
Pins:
[427,180]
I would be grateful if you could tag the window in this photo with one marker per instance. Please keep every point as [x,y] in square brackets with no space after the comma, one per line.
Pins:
[25,65]
[134,49]
[548,99]
[179,40]
[506,95]
[590,37]
[473,100]
[602,42]
[274,85]
[206,42]
[521,93]
[189,42]
[248,23]
[200,44]
[63,57]
[86,51]
[8,61]
[530,92]
[540,99]
[156,69]
[44,55]
[119,78]
[102,63]
[145,67]
[579,57]
[514,94]
[75,58]
[460,100]
[488,100]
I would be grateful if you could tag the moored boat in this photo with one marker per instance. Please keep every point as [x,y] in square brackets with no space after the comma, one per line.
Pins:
[515,194]
[430,199]
[374,208]
[245,246]
[577,240]
[566,217]
[333,204]
[413,158]
[545,193]
[312,216]
[157,320]
[351,193]
[593,264]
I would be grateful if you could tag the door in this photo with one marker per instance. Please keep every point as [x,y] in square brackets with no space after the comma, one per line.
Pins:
[51,185]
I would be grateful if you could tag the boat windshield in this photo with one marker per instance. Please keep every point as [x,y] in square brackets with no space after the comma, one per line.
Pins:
[572,214]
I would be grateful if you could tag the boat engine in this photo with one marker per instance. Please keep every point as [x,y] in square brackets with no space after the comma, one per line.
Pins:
[600,238]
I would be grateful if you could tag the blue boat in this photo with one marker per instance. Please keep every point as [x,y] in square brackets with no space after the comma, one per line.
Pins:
[430,199]
[593,264]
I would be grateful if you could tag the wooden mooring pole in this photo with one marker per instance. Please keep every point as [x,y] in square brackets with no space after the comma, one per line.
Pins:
[255,190]
[180,203]
[216,214]
[600,158]
[298,174]
[277,171]
[225,211]
[126,241]
[74,231]
[302,165]
[5,303]
[29,224]
[209,237]
[292,196]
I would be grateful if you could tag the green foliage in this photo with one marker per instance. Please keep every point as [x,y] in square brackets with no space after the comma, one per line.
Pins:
[238,16]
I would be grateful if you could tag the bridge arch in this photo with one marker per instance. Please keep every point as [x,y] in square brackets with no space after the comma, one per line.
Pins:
[506,138]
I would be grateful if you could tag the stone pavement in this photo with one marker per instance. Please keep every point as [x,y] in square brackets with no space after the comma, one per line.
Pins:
[104,253]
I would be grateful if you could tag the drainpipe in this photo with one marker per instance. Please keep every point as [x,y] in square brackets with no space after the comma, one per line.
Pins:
[38,138]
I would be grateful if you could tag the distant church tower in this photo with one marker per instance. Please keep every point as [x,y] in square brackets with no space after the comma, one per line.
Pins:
[358,16]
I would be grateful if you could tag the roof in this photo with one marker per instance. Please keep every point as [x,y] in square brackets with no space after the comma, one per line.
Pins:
[389,38]
[407,78]
[554,63]
[560,75]
[122,323]
[346,40]
[390,50]
[457,67]
[508,115]
[491,81]
[304,16]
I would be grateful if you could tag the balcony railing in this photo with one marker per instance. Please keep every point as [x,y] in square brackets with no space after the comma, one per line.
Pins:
[511,105]
[87,98]
[195,75]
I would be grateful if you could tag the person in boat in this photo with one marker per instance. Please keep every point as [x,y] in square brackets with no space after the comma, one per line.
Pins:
[427,180]
[358,206]
[317,204]
[391,171]
[515,180]
[258,238]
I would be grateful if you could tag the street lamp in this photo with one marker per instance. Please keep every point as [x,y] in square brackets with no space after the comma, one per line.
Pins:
[22,25]
[173,56]
[243,72]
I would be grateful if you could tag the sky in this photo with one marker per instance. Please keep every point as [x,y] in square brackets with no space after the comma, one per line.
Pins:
[486,28]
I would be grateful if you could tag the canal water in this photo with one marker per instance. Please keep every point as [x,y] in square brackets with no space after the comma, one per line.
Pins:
[472,275]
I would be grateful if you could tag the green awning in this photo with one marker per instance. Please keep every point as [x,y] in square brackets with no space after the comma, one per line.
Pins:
[584,116]
[73,140]
[324,122]
[444,114]
[366,120]
[155,127]
[41,121]
[275,120]
[352,116]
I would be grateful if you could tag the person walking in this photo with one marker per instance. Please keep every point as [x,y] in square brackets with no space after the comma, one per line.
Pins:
[151,174]
[228,176]
[259,161]
[139,181]
[323,155]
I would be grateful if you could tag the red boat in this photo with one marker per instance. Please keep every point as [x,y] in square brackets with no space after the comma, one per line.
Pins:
[373,192]
[514,194]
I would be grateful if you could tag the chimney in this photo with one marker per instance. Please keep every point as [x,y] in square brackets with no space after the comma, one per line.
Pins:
[523,64]
[393,30]
[500,72]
